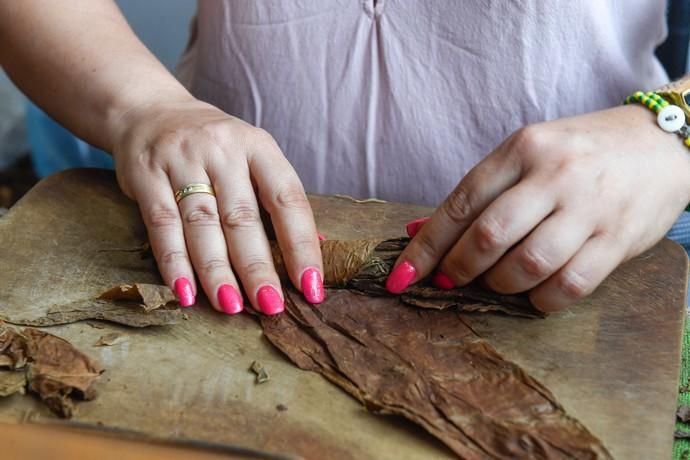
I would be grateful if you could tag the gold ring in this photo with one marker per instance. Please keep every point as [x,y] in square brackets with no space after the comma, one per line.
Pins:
[191,189]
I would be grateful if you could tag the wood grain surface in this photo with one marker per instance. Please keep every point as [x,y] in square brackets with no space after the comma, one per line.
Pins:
[612,360]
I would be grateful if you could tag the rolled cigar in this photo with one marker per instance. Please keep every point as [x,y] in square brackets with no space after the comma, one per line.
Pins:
[345,261]
[364,265]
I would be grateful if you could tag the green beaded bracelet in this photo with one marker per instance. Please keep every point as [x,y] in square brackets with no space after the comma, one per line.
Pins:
[650,99]
[669,116]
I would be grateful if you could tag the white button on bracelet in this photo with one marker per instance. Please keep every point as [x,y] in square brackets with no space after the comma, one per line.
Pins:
[670,118]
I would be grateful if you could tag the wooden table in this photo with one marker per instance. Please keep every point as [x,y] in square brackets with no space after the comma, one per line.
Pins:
[612,360]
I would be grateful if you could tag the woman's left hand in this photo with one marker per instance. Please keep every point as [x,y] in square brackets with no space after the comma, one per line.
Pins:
[555,208]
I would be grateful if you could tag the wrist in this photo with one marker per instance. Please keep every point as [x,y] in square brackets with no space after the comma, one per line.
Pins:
[666,123]
[130,109]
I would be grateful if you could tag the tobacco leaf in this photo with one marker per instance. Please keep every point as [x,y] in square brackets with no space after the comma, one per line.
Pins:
[135,305]
[52,367]
[12,382]
[430,367]
[120,312]
[108,340]
[371,279]
[260,371]
[149,296]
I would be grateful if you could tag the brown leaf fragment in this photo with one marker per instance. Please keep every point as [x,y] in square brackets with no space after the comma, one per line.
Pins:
[260,371]
[149,296]
[14,351]
[683,413]
[120,312]
[12,382]
[110,339]
[681,434]
[432,368]
[53,368]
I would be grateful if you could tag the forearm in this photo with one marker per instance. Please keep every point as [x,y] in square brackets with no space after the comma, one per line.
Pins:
[80,61]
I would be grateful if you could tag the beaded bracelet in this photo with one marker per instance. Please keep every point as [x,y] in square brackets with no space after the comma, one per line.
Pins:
[670,118]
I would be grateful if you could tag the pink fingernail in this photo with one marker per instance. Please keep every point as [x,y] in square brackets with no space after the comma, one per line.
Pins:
[184,291]
[269,300]
[321,236]
[230,300]
[413,227]
[400,278]
[312,286]
[441,281]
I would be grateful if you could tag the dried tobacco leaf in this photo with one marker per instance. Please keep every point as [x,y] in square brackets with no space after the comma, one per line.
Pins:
[430,367]
[12,382]
[52,367]
[122,305]
[108,340]
[121,312]
[260,371]
[135,305]
[149,296]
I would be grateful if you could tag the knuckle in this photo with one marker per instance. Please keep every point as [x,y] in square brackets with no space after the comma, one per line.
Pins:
[257,269]
[534,264]
[427,245]
[241,215]
[172,257]
[571,170]
[214,130]
[168,140]
[528,139]
[162,217]
[301,245]
[262,137]
[574,285]
[201,215]
[458,207]
[489,234]
[213,265]
[291,196]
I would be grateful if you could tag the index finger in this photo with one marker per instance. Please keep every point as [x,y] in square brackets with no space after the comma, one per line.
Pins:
[480,187]
[282,195]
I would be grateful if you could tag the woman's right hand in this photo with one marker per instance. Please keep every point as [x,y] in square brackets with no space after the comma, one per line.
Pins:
[162,147]
[117,96]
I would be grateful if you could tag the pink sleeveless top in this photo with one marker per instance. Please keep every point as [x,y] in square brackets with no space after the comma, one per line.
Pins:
[398,99]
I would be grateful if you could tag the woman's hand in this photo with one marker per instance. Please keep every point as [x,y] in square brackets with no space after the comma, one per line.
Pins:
[555,208]
[160,148]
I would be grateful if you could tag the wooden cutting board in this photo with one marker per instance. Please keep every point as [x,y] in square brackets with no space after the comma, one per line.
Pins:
[612,360]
